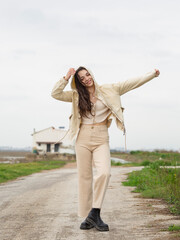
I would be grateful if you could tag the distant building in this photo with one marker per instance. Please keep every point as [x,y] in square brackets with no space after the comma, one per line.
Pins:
[47,141]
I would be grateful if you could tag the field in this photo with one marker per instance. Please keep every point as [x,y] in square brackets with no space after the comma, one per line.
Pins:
[167,158]
[13,153]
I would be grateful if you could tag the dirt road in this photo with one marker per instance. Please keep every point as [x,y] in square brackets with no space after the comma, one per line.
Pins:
[43,206]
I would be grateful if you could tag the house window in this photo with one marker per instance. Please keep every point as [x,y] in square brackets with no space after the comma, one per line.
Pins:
[48,147]
[39,144]
[56,148]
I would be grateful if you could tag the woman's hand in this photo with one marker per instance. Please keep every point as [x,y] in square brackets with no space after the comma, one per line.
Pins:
[157,72]
[69,74]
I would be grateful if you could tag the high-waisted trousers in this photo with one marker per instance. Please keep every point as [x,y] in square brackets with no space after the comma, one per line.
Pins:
[92,145]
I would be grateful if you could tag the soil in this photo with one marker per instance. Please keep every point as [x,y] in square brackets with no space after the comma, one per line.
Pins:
[43,206]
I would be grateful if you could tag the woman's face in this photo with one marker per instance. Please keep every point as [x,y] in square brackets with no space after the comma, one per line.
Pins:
[85,78]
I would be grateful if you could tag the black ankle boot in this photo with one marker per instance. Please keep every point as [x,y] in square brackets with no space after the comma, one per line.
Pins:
[95,219]
[85,225]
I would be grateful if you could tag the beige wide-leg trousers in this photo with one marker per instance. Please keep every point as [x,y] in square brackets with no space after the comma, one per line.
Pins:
[92,144]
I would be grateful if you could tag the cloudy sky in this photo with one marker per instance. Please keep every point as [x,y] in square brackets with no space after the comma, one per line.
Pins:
[116,39]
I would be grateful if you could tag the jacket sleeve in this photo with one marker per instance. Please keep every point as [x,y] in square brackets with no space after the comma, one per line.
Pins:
[132,83]
[59,94]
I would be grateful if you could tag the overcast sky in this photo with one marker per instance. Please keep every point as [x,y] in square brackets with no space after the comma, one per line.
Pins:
[117,39]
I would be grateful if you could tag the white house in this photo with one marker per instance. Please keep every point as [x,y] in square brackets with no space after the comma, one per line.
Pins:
[45,141]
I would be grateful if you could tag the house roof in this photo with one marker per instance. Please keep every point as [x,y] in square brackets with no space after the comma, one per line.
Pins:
[49,135]
[43,130]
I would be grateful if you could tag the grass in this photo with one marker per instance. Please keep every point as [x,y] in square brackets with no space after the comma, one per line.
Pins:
[174,228]
[169,158]
[114,163]
[155,182]
[13,171]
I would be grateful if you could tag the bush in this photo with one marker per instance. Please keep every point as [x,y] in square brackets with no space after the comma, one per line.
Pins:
[145,163]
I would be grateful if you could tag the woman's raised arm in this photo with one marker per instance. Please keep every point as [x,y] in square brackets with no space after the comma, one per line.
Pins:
[57,91]
[132,83]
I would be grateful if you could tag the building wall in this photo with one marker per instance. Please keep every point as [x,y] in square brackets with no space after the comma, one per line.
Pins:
[47,136]
[43,148]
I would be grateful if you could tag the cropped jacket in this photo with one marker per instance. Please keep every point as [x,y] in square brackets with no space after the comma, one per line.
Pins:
[110,94]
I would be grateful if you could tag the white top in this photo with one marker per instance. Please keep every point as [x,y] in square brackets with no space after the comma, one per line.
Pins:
[99,113]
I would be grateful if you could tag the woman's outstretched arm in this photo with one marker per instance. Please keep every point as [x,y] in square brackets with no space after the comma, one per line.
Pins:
[132,83]
[57,91]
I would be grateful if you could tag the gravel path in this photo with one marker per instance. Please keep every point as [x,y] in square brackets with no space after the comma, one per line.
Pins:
[43,206]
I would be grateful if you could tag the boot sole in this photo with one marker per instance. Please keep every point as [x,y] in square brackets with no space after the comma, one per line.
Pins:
[86,228]
[90,221]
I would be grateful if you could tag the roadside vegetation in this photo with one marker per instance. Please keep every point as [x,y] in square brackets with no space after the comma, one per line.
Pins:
[174,228]
[158,181]
[144,158]
[13,171]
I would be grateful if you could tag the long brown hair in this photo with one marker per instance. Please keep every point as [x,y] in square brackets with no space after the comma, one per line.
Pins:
[84,105]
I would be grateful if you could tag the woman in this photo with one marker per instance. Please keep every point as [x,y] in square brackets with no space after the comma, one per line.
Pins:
[93,107]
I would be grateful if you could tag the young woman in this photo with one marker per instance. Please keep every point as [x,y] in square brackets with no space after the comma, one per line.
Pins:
[93,107]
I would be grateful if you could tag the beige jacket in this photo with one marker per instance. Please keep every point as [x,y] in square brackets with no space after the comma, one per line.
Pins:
[108,93]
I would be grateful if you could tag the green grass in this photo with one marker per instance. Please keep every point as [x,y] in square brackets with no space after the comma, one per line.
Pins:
[13,171]
[114,163]
[142,163]
[156,182]
[174,228]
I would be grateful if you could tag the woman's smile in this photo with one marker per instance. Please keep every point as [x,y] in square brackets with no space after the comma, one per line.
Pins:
[89,82]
